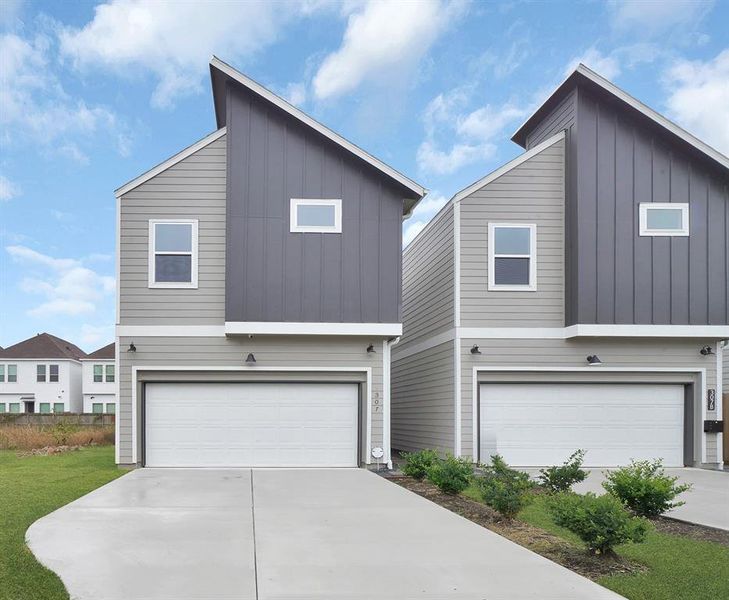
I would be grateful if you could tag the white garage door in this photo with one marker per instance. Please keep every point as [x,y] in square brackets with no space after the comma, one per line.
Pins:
[542,424]
[251,424]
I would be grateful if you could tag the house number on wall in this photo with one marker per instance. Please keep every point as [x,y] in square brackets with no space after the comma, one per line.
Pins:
[711,399]
[376,402]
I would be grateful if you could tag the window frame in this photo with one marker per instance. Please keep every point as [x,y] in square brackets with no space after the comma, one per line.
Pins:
[38,369]
[108,368]
[3,409]
[113,408]
[492,256]
[100,375]
[645,231]
[294,227]
[2,373]
[100,405]
[151,262]
[50,373]
[14,408]
[14,374]
[62,404]
[40,408]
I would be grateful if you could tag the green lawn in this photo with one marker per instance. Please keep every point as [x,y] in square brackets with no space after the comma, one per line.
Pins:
[30,488]
[678,567]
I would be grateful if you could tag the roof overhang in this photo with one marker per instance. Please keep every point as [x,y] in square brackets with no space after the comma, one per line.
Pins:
[221,73]
[586,77]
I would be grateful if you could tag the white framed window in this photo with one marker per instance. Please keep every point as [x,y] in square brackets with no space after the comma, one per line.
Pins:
[110,408]
[109,373]
[53,373]
[512,257]
[664,219]
[40,373]
[58,407]
[12,373]
[98,373]
[173,253]
[316,216]
[45,407]
[97,408]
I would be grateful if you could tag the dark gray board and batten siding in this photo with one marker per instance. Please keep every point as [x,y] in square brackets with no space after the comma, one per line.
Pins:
[275,275]
[615,161]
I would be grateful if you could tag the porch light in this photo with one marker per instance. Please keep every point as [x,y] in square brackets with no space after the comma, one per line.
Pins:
[132,348]
[475,350]
[250,359]
[706,351]
[593,360]
[371,349]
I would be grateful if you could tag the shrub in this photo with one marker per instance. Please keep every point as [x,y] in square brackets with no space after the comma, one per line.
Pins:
[601,522]
[28,437]
[61,432]
[504,489]
[644,487]
[452,475]
[562,478]
[417,464]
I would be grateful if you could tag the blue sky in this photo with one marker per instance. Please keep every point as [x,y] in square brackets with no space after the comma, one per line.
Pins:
[92,95]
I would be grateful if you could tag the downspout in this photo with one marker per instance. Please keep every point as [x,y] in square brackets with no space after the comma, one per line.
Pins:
[386,391]
[719,409]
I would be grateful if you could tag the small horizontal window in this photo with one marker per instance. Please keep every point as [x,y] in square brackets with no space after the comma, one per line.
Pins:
[58,407]
[512,257]
[173,254]
[316,216]
[15,407]
[45,407]
[97,408]
[664,219]
[111,408]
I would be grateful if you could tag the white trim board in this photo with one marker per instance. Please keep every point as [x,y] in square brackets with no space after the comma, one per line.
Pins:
[256,368]
[312,328]
[257,88]
[173,160]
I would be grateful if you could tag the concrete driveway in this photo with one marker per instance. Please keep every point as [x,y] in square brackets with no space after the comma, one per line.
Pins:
[707,502]
[188,534]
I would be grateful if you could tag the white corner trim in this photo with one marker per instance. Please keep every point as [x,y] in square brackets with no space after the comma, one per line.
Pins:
[173,160]
[387,398]
[458,418]
[313,328]
[243,368]
[314,124]
[117,418]
[117,261]
[142,331]
[686,331]
[719,412]
[457,264]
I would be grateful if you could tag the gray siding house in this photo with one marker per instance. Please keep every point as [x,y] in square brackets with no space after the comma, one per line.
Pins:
[577,297]
[259,293]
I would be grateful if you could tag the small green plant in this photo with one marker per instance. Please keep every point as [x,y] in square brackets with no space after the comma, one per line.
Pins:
[562,478]
[417,464]
[452,475]
[644,488]
[601,522]
[61,432]
[504,489]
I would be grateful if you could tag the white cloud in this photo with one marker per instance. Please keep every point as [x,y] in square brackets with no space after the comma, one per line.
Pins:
[473,134]
[8,189]
[699,98]
[295,93]
[412,229]
[384,41]
[35,105]
[652,17]
[423,213]
[92,336]
[174,41]
[606,65]
[67,286]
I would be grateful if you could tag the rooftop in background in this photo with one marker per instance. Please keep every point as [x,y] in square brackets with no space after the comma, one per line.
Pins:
[42,346]
[592,81]
[105,353]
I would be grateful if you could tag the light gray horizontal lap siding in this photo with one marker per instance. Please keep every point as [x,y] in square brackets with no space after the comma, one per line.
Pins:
[422,400]
[194,188]
[532,192]
[428,281]
[275,351]
[636,353]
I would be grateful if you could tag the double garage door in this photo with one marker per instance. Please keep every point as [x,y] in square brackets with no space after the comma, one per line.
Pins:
[538,424]
[251,424]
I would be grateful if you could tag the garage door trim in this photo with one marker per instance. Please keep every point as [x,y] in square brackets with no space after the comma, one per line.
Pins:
[138,395]
[694,380]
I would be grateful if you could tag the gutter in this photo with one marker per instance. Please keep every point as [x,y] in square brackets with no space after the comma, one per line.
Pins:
[386,397]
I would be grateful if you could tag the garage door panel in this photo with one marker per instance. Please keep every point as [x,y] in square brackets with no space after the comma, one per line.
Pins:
[251,424]
[542,424]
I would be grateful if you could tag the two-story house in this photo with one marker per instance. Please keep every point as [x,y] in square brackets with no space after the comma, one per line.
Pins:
[99,380]
[41,375]
[576,297]
[259,292]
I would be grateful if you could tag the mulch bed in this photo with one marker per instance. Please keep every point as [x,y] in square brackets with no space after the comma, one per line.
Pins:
[690,530]
[550,546]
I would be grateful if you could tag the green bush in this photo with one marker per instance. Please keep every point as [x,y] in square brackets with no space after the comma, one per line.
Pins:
[562,478]
[452,475]
[504,489]
[61,432]
[417,464]
[601,522]
[644,488]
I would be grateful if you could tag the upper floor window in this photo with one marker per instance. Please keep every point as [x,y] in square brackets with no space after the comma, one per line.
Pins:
[664,218]
[512,257]
[53,373]
[109,373]
[98,373]
[173,254]
[40,373]
[316,216]
[12,373]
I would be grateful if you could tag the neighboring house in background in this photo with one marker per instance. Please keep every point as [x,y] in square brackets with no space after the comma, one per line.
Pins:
[259,289]
[99,381]
[575,297]
[41,375]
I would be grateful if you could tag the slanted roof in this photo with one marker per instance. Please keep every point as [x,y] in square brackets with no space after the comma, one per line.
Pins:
[221,73]
[105,353]
[43,346]
[591,80]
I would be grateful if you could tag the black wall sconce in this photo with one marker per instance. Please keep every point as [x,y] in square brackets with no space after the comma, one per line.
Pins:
[250,359]
[132,348]
[475,350]
[593,360]
[371,349]
[706,351]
